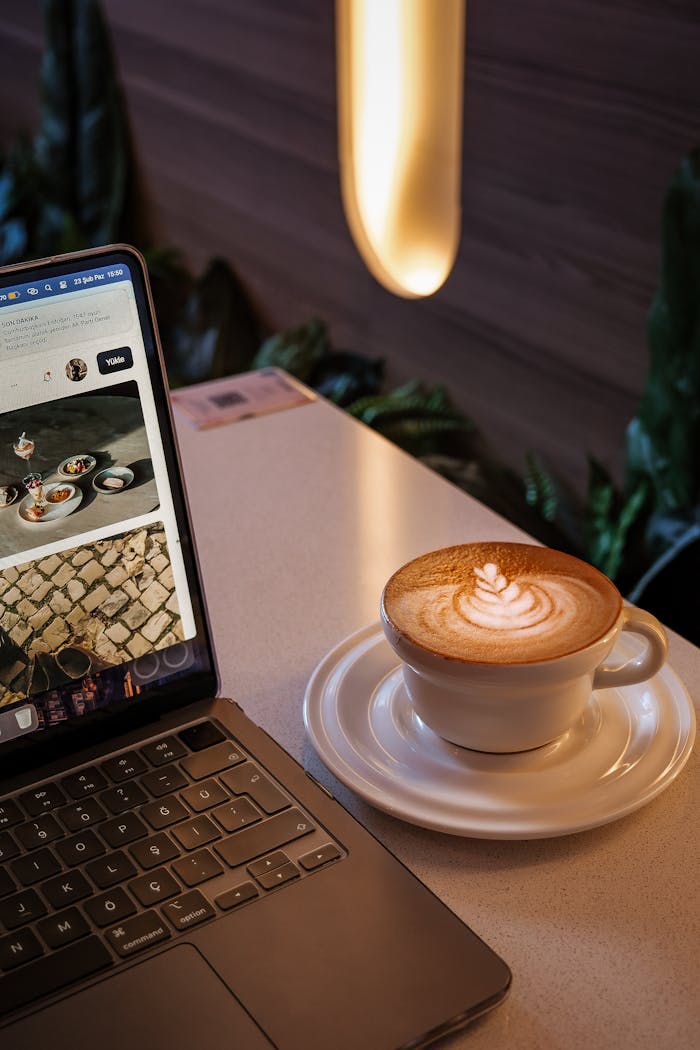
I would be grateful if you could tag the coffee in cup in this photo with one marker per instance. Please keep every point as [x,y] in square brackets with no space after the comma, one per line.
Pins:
[502,643]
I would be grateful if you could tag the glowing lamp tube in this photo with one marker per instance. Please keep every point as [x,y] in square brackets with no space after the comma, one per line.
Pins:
[400,88]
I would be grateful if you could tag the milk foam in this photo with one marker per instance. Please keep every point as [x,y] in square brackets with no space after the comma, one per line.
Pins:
[507,609]
[499,604]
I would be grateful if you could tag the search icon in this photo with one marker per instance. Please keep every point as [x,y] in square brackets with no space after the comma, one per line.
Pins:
[48,288]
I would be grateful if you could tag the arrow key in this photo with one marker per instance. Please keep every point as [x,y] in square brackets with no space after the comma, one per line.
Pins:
[286,873]
[319,856]
[238,895]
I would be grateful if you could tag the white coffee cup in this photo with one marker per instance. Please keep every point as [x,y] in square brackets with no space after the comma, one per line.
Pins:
[502,644]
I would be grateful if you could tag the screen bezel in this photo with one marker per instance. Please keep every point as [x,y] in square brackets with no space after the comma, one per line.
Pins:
[27,752]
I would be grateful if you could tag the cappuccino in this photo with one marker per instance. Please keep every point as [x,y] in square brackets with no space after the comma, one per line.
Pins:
[500,603]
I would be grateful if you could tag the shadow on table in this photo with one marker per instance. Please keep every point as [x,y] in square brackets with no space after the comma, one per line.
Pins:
[143,472]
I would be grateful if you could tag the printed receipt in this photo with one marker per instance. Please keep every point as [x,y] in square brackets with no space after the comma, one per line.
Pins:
[240,397]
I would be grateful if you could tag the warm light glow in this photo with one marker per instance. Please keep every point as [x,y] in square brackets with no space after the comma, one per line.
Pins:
[400,86]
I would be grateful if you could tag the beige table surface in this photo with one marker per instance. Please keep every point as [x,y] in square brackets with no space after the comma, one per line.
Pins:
[312,513]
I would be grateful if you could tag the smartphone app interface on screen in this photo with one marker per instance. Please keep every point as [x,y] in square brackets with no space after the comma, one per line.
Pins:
[93,590]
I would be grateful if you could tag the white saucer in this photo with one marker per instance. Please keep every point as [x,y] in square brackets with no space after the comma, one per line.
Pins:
[628,745]
[55,510]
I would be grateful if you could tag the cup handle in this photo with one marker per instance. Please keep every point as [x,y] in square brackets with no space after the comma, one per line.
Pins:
[641,667]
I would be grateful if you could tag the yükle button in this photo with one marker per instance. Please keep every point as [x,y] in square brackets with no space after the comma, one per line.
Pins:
[115,360]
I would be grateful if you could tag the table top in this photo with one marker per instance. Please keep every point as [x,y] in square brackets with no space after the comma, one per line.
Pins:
[601,929]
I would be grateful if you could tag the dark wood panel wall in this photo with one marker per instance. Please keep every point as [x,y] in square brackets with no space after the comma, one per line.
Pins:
[577,114]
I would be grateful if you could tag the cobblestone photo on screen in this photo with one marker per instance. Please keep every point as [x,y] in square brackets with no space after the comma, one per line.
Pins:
[84,610]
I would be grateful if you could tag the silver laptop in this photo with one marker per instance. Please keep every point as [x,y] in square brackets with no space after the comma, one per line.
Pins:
[169,876]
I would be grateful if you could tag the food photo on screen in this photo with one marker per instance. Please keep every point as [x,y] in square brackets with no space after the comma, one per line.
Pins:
[73,465]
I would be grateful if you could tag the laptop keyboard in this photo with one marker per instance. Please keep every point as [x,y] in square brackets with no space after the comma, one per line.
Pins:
[124,854]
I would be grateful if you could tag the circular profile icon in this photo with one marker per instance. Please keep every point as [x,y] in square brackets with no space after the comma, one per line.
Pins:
[76,369]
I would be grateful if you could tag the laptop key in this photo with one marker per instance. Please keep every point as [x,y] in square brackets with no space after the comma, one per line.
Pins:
[161,752]
[275,878]
[204,764]
[237,814]
[319,856]
[155,850]
[35,867]
[43,799]
[275,860]
[53,972]
[80,848]
[10,814]
[8,847]
[110,870]
[110,907]
[238,895]
[252,842]
[197,868]
[81,814]
[196,833]
[247,779]
[155,887]
[204,796]
[6,883]
[18,948]
[124,767]
[164,781]
[137,934]
[122,830]
[163,813]
[188,910]
[66,889]
[39,832]
[64,928]
[125,796]
[21,908]
[201,735]
[86,782]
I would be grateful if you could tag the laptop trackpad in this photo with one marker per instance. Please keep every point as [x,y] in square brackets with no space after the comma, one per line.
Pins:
[174,1001]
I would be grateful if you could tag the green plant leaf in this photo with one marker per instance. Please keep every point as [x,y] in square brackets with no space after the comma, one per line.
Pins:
[540,489]
[21,198]
[297,350]
[409,400]
[13,239]
[663,441]
[81,146]
[610,518]
[344,377]
[419,419]
[208,328]
[663,587]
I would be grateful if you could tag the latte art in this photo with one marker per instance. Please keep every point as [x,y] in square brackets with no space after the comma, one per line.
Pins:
[497,603]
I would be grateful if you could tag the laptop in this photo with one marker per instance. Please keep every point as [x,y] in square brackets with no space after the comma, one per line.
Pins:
[169,875]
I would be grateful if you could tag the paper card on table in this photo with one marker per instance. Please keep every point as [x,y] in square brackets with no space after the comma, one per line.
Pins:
[240,397]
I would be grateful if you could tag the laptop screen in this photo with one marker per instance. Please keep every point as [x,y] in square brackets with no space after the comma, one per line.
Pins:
[99,602]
